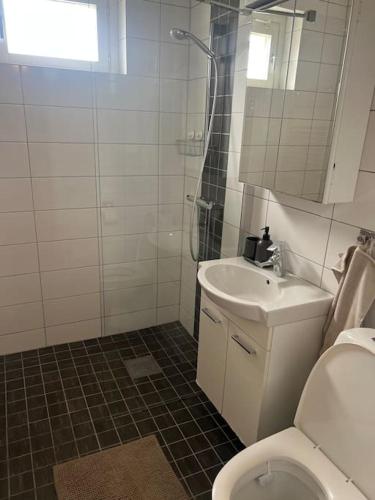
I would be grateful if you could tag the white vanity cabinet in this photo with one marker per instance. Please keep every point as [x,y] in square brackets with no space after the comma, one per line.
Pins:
[254,375]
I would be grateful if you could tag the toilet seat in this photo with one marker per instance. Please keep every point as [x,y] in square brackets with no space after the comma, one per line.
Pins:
[289,450]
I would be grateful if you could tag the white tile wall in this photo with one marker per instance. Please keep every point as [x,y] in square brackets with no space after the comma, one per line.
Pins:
[68,254]
[169,243]
[66,282]
[174,61]
[17,227]
[128,159]
[18,259]
[145,19]
[15,195]
[73,332]
[72,309]
[62,160]
[19,289]
[21,318]
[130,190]
[143,57]
[129,274]
[129,220]
[171,189]
[118,126]
[56,87]
[130,248]
[52,225]
[127,92]
[64,192]
[12,123]
[91,190]
[10,91]
[14,160]
[23,341]
[130,321]
[118,302]
[170,162]
[173,95]
[58,124]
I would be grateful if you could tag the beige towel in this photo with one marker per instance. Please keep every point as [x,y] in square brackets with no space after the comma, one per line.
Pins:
[355,273]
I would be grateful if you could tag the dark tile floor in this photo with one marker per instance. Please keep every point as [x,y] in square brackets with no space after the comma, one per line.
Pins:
[67,401]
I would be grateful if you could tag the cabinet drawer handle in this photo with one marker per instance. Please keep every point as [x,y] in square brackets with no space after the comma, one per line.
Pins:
[249,350]
[209,314]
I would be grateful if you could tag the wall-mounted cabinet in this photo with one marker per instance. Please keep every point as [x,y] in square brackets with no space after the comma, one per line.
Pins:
[254,375]
[307,107]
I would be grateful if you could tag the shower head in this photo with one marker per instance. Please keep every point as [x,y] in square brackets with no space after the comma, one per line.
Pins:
[260,5]
[179,34]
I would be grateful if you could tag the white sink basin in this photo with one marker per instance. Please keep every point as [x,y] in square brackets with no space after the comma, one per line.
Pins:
[258,294]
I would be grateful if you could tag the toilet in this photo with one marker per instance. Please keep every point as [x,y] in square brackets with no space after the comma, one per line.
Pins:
[329,454]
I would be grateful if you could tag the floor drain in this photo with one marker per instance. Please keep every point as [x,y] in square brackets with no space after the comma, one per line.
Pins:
[142,367]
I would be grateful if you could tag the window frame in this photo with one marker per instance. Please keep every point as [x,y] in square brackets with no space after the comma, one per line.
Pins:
[107,25]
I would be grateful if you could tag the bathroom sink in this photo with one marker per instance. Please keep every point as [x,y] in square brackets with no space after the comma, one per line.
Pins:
[259,295]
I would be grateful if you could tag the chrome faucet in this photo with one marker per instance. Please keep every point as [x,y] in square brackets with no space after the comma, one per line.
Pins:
[276,261]
[277,258]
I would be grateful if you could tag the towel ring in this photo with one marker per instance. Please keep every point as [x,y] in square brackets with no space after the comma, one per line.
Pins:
[365,236]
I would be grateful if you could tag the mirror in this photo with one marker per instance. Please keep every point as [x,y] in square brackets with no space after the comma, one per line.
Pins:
[88,35]
[295,61]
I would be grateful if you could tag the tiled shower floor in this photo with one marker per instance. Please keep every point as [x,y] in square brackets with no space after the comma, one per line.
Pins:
[62,402]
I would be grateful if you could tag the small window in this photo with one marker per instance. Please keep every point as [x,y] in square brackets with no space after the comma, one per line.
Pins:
[61,29]
[259,56]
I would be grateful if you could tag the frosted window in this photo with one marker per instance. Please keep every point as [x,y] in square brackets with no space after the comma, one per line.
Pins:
[259,56]
[60,29]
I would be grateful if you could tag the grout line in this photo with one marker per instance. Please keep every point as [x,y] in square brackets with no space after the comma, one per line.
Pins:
[326,252]
[33,205]
[69,106]
[101,392]
[87,408]
[7,459]
[99,213]
[51,326]
[157,221]
[48,417]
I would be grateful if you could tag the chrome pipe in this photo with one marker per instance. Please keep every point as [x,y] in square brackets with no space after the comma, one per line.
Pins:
[264,7]
[244,11]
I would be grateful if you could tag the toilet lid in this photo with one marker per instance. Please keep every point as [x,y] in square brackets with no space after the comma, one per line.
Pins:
[337,410]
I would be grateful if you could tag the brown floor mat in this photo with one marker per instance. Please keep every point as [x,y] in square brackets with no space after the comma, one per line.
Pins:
[134,471]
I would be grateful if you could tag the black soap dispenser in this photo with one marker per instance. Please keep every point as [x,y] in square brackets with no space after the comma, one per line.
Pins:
[262,252]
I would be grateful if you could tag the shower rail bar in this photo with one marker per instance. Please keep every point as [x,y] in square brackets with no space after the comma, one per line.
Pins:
[207,205]
[244,11]
[309,15]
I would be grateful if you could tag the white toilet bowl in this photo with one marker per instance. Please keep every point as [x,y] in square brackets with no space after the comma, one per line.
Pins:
[330,453]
